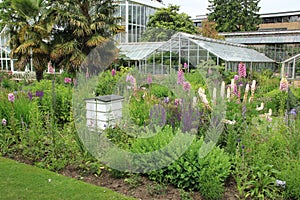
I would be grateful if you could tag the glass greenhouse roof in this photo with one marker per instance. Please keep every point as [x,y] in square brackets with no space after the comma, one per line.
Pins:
[139,51]
[229,52]
[265,39]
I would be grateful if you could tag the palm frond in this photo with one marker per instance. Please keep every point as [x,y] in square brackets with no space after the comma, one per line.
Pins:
[61,50]
[24,48]
[96,40]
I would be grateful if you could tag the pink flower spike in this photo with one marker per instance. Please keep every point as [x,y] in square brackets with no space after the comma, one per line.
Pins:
[180,77]
[186,86]
[149,79]
[242,70]
[131,79]
[113,72]
[11,97]
[185,66]
[236,77]
[50,68]
[68,80]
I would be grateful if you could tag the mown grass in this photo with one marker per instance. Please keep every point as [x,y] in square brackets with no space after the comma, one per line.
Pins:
[21,181]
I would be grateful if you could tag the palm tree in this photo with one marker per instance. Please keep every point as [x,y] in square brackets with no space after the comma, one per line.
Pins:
[30,30]
[81,25]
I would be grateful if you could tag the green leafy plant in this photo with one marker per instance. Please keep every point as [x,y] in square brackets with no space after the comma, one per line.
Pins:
[157,188]
[134,180]
[260,183]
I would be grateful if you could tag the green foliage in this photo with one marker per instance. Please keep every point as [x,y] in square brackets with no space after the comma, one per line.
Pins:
[107,83]
[166,22]
[157,188]
[234,15]
[55,96]
[118,136]
[184,195]
[140,105]
[293,100]
[19,110]
[272,100]
[189,172]
[196,79]
[260,182]
[134,180]
[291,175]
[206,174]
[159,90]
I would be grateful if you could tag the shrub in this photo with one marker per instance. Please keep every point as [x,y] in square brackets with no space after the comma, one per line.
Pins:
[189,171]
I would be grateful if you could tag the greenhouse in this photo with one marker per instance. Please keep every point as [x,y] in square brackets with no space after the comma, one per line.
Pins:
[190,50]
[291,68]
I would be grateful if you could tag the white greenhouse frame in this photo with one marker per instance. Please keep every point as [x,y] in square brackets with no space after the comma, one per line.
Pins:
[162,57]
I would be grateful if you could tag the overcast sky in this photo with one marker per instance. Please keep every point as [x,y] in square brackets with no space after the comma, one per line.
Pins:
[198,7]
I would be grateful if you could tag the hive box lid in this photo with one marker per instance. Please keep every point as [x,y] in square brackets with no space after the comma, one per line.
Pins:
[106,98]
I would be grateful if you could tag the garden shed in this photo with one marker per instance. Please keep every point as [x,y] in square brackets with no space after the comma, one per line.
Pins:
[190,50]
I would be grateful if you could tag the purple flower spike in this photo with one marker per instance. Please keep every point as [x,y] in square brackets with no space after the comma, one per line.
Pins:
[167,100]
[30,96]
[293,112]
[39,94]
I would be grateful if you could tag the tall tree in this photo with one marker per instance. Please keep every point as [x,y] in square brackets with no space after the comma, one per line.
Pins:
[81,25]
[64,31]
[30,30]
[167,21]
[234,15]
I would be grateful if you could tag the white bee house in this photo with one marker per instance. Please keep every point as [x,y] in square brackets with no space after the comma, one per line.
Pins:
[103,111]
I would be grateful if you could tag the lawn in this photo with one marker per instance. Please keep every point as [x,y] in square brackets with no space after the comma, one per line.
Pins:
[21,181]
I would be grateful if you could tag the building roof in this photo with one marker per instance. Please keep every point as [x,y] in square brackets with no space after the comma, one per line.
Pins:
[150,3]
[265,40]
[263,37]
[139,50]
[280,14]
[262,15]
[227,51]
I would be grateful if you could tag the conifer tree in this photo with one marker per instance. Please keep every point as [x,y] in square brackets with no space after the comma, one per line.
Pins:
[234,15]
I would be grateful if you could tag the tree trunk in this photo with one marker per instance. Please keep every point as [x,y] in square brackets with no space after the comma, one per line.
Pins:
[39,75]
